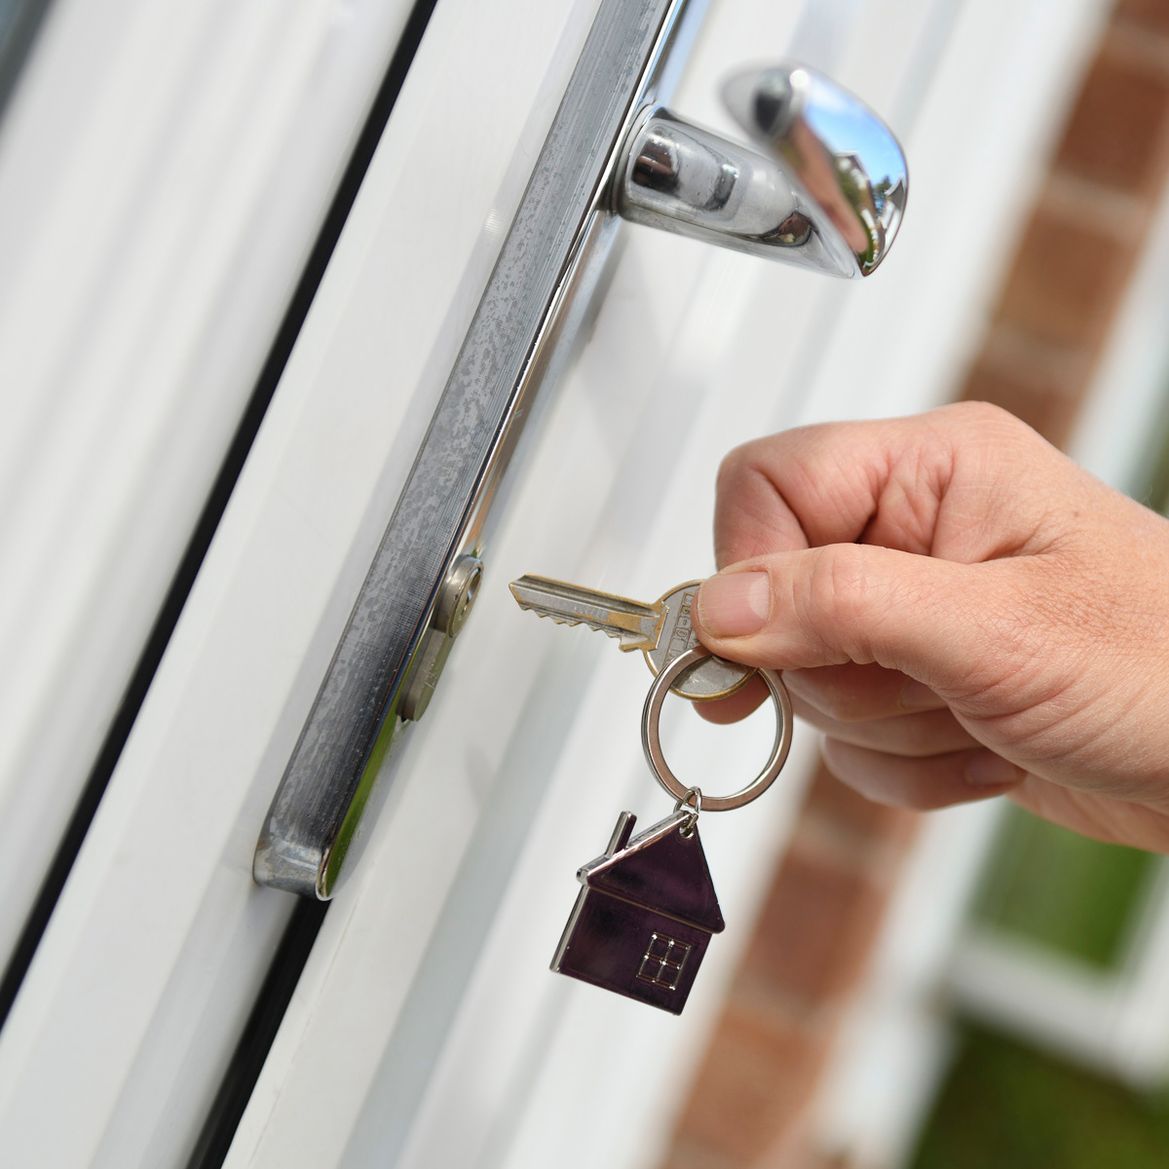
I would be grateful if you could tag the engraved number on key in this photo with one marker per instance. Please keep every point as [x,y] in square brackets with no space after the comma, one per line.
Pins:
[662,630]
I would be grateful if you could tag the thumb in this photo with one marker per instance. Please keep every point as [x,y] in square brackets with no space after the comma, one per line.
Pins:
[935,620]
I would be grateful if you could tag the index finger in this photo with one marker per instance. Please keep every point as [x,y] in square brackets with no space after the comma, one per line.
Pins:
[928,484]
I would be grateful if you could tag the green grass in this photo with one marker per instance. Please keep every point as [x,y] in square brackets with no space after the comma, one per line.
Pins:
[1070,894]
[1005,1106]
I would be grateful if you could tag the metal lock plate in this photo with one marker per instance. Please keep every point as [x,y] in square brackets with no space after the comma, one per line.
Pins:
[395,644]
[450,615]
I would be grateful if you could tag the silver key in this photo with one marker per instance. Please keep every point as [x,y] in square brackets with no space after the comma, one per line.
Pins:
[661,630]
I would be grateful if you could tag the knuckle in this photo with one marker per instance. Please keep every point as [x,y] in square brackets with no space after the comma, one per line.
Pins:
[750,460]
[850,708]
[743,471]
[977,410]
[989,420]
[836,600]
[745,501]
[836,703]
[736,464]
[843,764]
[845,710]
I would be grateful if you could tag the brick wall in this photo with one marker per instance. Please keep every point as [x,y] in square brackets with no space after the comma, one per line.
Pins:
[816,927]
[1077,253]
[749,1105]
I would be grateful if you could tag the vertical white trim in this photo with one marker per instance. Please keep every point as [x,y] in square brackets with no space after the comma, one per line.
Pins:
[163,172]
[1126,404]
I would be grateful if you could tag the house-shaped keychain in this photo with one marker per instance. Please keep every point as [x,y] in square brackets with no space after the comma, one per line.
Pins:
[647,910]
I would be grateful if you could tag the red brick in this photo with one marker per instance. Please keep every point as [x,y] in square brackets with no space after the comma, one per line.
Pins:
[687,1155]
[1119,128]
[1066,282]
[1147,14]
[862,827]
[753,1087]
[1046,398]
[817,924]
[810,1157]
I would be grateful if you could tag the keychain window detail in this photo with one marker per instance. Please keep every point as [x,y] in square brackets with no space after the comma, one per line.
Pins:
[663,961]
[655,886]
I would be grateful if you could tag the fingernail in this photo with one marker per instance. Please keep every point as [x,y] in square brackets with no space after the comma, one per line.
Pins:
[734,605]
[986,769]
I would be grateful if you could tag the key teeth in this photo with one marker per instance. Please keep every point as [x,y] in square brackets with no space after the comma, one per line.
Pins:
[573,621]
[622,637]
[529,593]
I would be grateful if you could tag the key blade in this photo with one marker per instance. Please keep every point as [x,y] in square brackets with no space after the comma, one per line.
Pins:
[633,624]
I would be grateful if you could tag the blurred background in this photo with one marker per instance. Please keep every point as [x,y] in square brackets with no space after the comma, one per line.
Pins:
[226,311]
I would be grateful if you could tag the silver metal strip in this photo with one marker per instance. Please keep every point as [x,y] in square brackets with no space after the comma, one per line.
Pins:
[539,286]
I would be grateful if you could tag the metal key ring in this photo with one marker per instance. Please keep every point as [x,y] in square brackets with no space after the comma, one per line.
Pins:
[651,737]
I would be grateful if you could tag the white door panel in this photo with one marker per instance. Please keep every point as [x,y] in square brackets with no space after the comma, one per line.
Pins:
[164,171]
[159,941]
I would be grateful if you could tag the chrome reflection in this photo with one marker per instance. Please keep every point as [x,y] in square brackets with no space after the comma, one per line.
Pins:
[828,194]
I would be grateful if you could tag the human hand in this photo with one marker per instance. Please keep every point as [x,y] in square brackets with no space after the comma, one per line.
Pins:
[961,609]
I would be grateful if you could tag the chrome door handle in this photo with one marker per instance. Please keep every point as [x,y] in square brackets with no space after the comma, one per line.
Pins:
[828,194]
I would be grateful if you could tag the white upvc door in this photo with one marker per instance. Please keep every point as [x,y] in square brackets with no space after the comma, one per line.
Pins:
[425,1029]
[164,172]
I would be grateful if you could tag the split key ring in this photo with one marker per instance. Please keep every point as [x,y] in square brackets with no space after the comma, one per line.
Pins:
[651,737]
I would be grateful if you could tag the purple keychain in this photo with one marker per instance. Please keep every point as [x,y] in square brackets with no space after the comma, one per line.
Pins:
[647,907]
